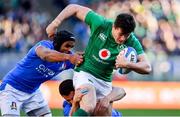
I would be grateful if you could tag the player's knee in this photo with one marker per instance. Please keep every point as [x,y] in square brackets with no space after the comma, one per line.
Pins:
[89,108]
[123,92]
[103,111]
[88,102]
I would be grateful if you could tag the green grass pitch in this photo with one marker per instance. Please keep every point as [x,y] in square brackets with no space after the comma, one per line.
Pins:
[131,112]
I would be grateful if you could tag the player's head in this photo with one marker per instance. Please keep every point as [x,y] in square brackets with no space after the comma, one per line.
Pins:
[66,90]
[122,27]
[63,41]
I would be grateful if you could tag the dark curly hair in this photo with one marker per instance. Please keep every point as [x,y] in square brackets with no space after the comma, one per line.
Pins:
[66,87]
[126,22]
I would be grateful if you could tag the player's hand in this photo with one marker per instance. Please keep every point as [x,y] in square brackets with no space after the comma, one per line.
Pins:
[80,53]
[121,61]
[79,93]
[51,29]
[78,96]
[76,59]
[102,106]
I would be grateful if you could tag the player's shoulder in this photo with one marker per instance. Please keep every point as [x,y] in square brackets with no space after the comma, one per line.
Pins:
[106,24]
[46,43]
[132,36]
[66,103]
[132,39]
[92,15]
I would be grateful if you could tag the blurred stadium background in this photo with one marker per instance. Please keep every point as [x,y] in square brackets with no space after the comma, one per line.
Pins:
[23,23]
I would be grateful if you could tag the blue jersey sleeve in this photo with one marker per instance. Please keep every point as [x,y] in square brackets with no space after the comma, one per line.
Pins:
[45,43]
[116,113]
[66,108]
[69,65]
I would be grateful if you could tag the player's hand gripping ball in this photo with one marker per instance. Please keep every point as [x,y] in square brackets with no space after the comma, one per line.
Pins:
[131,55]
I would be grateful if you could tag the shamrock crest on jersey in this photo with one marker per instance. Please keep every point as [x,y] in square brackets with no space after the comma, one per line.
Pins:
[104,54]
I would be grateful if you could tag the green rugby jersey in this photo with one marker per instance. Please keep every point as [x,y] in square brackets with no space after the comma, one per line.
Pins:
[101,52]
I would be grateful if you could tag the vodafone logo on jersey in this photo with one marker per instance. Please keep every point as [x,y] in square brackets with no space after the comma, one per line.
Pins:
[104,54]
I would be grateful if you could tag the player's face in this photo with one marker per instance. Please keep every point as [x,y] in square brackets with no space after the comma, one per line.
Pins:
[67,46]
[119,37]
[69,97]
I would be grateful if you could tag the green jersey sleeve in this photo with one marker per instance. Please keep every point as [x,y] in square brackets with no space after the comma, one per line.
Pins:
[94,20]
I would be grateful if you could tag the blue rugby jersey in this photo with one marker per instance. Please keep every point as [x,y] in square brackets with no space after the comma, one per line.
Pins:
[66,108]
[31,71]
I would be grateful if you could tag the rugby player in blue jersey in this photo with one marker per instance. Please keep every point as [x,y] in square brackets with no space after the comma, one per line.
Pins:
[19,89]
[72,99]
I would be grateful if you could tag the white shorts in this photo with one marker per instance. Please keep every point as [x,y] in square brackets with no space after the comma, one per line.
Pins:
[64,75]
[102,87]
[13,100]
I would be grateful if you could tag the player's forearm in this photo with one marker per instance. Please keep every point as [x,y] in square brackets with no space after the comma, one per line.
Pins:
[79,11]
[54,56]
[75,106]
[71,10]
[67,12]
[140,67]
[116,94]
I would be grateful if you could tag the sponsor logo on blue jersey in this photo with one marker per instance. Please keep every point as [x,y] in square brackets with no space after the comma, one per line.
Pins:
[42,69]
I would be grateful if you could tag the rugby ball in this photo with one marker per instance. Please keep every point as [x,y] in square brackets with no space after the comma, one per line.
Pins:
[131,55]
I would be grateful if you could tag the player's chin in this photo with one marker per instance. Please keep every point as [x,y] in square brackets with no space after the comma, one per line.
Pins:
[119,42]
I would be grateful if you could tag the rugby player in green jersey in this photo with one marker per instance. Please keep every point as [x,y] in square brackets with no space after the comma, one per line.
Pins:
[101,56]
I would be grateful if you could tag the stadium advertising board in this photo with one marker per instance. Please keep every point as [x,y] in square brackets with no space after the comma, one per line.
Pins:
[140,95]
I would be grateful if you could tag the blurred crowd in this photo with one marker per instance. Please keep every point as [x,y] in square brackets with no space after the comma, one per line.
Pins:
[157,26]
[158,22]
[21,26]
